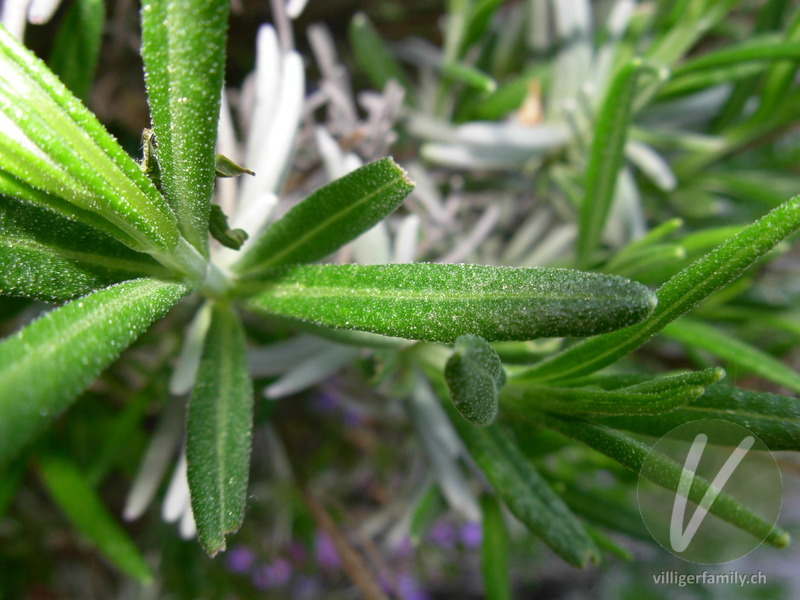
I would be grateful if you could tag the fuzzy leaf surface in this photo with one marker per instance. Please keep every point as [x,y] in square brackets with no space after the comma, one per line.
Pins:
[47,364]
[677,296]
[183,48]
[329,218]
[53,144]
[474,375]
[773,418]
[606,157]
[46,257]
[218,432]
[439,302]
[526,494]
[581,401]
[632,453]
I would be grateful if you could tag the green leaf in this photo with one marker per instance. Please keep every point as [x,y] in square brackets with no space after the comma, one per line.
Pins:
[69,489]
[700,335]
[47,364]
[218,432]
[494,551]
[329,218]
[690,21]
[428,507]
[780,77]
[766,48]
[696,80]
[605,510]
[774,419]
[479,18]
[634,382]
[474,376]
[632,453]
[10,482]
[183,48]
[606,157]
[14,189]
[469,75]
[220,231]
[677,296]
[606,544]
[439,302]
[225,167]
[373,56]
[664,383]
[77,46]
[529,399]
[526,493]
[647,261]
[508,97]
[36,243]
[52,144]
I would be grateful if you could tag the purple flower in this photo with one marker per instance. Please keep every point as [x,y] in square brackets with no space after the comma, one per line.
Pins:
[471,535]
[325,402]
[443,534]
[409,589]
[239,560]
[273,575]
[325,551]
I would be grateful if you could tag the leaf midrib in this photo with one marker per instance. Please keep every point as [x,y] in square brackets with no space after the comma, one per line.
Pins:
[275,259]
[90,259]
[290,290]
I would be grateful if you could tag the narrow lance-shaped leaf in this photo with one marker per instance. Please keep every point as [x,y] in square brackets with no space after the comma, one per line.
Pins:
[329,218]
[47,257]
[677,296]
[14,189]
[218,431]
[632,453]
[77,46]
[774,419]
[606,157]
[651,397]
[183,48]
[474,375]
[765,48]
[479,18]
[700,335]
[372,54]
[70,490]
[439,302]
[528,496]
[494,550]
[635,382]
[780,77]
[53,144]
[48,363]
[580,401]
